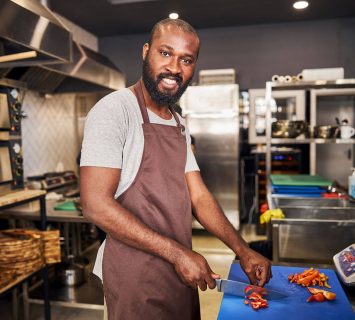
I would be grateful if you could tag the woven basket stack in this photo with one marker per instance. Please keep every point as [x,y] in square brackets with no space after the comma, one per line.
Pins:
[51,246]
[20,251]
[6,277]
[25,251]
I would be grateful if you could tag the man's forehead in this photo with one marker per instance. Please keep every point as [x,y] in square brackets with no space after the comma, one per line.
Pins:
[169,30]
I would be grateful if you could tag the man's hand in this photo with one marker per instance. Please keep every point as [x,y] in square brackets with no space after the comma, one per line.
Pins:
[194,270]
[256,267]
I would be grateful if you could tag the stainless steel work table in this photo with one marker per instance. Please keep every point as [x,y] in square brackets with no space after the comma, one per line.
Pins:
[314,229]
[52,215]
[60,216]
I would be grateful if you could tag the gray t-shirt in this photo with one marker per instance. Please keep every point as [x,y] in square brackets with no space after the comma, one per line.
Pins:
[113,138]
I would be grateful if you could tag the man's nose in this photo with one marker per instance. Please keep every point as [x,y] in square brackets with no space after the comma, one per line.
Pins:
[174,66]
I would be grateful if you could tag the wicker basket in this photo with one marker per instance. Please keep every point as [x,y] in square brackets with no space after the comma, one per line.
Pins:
[47,242]
[51,246]
[20,252]
[6,277]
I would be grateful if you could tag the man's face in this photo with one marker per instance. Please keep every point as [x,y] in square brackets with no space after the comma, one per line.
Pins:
[169,64]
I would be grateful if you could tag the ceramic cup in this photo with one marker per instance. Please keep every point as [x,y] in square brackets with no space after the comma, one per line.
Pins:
[346,132]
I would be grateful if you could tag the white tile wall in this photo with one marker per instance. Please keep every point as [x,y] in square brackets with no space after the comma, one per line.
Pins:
[49,133]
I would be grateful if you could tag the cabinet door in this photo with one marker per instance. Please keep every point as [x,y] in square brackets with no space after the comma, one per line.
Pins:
[286,105]
[333,161]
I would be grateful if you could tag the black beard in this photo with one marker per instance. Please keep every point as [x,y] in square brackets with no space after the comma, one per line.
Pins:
[162,98]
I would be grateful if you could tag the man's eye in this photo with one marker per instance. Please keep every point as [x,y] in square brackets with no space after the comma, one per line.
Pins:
[164,53]
[187,61]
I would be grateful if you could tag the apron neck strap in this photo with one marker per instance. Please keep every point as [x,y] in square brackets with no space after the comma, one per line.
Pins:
[138,90]
[178,124]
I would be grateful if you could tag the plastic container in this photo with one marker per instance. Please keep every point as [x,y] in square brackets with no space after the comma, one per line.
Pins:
[351,183]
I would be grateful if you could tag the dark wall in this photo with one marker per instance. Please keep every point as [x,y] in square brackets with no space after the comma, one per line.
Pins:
[256,52]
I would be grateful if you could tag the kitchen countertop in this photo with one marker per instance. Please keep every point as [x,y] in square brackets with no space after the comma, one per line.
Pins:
[286,201]
[52,215]
[18,196]
[300,236]
[293,307]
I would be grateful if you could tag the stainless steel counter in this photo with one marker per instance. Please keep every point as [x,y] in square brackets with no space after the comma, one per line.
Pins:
[52,215]
[285,201]
[314,229]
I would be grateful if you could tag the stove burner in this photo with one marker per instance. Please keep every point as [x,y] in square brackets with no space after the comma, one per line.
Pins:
[55,180]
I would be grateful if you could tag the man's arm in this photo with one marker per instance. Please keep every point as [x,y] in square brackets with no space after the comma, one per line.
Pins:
[210,215]
[97,188]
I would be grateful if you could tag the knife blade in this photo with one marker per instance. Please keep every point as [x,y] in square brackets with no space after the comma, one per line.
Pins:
[237,288]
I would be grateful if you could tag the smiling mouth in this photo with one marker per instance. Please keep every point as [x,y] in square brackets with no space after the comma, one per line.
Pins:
[169,81]
[169,84]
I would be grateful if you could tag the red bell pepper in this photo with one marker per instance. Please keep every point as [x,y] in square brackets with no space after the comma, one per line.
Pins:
[254,297]
[326,294]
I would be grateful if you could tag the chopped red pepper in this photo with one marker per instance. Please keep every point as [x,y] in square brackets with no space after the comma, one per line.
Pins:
[318,297]
[255,298]
[309,277]
[326,294]
[248,288]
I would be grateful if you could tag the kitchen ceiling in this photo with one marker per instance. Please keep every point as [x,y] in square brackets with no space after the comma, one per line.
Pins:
[138,16]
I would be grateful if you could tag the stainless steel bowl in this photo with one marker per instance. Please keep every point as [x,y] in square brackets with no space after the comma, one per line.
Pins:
[288,128]
[326,132]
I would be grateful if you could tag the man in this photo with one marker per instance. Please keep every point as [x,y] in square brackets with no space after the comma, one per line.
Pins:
[142,196]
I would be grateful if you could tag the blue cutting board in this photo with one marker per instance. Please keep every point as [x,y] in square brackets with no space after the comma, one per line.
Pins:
[298,189]
[294,307]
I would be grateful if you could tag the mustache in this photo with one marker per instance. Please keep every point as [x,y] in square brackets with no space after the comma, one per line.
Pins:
[175,77]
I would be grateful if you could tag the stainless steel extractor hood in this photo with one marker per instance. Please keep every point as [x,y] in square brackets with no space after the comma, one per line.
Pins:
[89,71]
[30,34]
[60,64]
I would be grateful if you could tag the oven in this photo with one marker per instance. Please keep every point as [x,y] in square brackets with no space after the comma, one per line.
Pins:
[5,163]
[11,156]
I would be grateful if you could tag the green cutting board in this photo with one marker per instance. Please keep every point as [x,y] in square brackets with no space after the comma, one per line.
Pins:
[299,180]
[66,206]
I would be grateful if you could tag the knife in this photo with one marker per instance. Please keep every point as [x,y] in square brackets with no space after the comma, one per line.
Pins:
[237,288]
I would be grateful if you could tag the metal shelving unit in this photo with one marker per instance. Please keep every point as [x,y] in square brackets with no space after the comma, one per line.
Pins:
[314,217]
[317,88]
[307,141]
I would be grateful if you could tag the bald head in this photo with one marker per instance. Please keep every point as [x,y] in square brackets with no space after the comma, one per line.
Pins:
[178,23]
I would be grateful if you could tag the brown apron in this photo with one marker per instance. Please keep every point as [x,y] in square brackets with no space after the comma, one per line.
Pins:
[139,285]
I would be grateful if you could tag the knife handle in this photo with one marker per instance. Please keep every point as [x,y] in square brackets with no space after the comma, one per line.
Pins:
[218,284]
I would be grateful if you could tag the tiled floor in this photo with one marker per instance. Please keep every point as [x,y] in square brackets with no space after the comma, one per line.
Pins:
[216,253]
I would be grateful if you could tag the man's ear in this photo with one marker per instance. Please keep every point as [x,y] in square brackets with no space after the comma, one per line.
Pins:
[145,50]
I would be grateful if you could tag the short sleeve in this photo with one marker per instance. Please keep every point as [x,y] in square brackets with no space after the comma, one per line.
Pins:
[191,163]
[104,135]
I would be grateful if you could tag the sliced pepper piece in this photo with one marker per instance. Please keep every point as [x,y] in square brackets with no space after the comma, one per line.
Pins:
[255,298]
[308,279]
[327,294]
[318,297]
[248,289]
